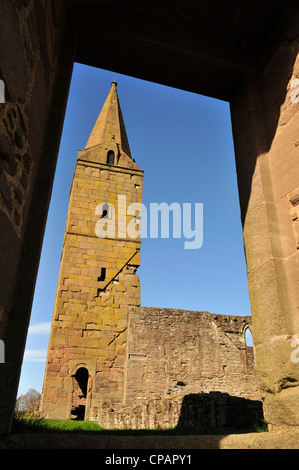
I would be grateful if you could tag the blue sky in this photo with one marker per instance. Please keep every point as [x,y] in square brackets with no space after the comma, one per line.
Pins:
[183,142]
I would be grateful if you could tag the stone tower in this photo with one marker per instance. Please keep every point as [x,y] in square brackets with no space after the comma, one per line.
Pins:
[97,281]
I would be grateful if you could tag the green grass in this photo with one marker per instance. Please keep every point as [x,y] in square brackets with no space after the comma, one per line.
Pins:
[23,425]
[33,425]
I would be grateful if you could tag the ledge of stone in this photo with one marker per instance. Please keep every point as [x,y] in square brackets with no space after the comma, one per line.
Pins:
[106,442]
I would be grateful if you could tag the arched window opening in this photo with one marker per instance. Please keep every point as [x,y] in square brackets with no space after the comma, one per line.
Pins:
[110,157]
[248,337]
[79,394]
[249,349]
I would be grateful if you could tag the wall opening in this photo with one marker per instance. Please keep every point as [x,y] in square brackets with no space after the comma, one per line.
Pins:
[102,277]
[79,394]
[110,157]
[249,349]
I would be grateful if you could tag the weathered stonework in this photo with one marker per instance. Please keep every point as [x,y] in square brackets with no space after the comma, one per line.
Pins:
[294,201]
[32,35]
[97,283]
[265,137]
[31,77]
[177,352]
[185,368]
[203,412]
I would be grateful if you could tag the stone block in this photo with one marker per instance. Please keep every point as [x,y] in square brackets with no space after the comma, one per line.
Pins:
[270,301]
[283,159]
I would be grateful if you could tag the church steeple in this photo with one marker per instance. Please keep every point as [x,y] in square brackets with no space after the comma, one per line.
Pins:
[98,284]
[109,128]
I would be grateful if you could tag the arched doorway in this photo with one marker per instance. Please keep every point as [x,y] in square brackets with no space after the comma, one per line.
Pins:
[79,394]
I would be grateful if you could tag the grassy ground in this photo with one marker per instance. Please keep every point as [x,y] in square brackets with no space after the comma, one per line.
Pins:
[33,425]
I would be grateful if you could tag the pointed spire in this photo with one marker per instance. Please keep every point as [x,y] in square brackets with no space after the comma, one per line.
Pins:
[110,126]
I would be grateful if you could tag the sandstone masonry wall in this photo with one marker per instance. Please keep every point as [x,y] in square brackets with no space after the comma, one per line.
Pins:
[35,67]
[203,411]
[185,368]
[174,352]
[89,324]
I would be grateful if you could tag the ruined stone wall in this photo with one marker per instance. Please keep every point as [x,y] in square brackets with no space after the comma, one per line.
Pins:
[176,352]
[203,411]
[184,368]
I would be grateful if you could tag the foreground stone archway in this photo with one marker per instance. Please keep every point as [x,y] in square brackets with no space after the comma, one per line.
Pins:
[217,53]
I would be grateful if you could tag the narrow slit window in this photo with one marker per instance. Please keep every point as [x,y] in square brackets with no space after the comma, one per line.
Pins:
[102,277]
